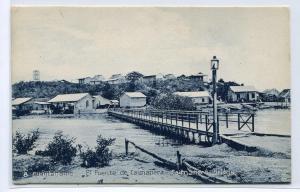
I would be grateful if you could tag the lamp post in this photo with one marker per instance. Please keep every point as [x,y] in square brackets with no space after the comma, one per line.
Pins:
[214,68]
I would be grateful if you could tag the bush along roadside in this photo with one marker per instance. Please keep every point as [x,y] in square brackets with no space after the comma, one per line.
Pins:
[61,149]
[23,143]
[99,157]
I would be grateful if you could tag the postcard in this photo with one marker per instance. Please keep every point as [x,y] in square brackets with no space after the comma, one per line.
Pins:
[150,95]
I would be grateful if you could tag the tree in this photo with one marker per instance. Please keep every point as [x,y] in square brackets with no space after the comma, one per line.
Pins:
[223,88]
[134,76]
[173,102]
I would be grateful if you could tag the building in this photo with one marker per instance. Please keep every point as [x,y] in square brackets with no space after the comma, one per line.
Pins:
[152,79]
[72,103]
[36,75]
[285,95]
[100,102]
[132,99]
[198,97]
[22,104]
[97,79]
[116,79]
[197,77]
[149,79]
[40,107]
[114,103]
[242,94]
[169,76]
[182,77]
[270,95]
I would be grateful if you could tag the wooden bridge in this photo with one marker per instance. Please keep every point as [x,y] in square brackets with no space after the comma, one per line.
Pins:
[187,126]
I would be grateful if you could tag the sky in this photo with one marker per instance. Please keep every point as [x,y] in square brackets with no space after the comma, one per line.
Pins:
[252,44]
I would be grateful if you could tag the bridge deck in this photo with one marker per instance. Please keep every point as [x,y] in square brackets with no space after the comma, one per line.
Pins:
[195,126]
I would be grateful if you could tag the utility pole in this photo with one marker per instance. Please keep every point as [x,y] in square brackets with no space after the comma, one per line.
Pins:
[214,68]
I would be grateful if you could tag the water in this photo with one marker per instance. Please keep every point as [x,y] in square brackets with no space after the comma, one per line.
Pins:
[273,121]
[86,128]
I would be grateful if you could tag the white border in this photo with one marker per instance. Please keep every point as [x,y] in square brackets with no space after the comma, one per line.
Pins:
[5,92]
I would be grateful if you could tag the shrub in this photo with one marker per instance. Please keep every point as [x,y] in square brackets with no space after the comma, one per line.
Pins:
[23,143]
[99,157]
[60,149]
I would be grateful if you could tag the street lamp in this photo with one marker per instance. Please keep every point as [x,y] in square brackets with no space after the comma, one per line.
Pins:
[214,68]
[215,63]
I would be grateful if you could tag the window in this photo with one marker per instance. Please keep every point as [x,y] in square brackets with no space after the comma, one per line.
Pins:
[87,104]
[203,100]
[253,95]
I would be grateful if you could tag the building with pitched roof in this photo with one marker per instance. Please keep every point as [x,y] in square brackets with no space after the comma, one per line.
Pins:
[132,99]
[100,102]
[22,103]
[72,103]
[242,94]
[198,97]
[285,95]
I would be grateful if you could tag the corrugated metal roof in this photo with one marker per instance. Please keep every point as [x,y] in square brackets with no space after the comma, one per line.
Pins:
[135,94]
[193,94]
[68,97]
[238,89]
[19,101]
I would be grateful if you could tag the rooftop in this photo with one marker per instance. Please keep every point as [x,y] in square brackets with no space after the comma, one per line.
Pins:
[198,75]
[135,94]
[285,93]
[193,94]
[68,97]
[238,89]
[41,103]
[19,101]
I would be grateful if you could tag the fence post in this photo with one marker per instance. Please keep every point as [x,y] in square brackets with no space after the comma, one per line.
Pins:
[176,119]
[126,146]
[179,163]
[200,118]
[189,116]
[226,120]
[239,121]
[206,122]
[252,122]
[197,121]
[182,120]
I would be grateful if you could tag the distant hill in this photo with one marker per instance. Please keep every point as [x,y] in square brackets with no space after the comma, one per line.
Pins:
[42,89]
[49,89]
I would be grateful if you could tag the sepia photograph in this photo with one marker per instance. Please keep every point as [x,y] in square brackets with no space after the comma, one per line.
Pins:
[150,95]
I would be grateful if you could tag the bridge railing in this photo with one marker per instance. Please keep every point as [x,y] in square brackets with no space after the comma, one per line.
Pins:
[187,118]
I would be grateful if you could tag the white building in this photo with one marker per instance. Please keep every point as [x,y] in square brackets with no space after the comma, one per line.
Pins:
[198,97]
[100,102]
[116,79]
[97,79]
[24,103]
[242,94]
[132,99]
[73,103]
